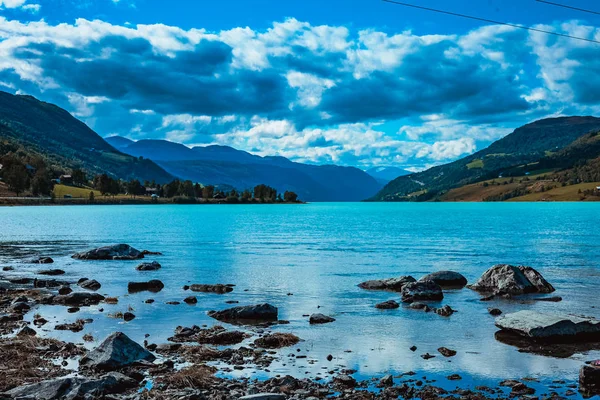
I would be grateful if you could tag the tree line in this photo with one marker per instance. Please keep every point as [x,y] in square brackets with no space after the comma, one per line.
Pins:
[23,174]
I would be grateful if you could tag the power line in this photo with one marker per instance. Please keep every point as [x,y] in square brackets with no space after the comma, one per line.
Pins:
[491,21]
[569,7]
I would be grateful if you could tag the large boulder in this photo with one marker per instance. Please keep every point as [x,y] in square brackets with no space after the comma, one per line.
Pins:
[115,352]
[41,260]
[153,286]
[218,288]
[541,326]
[78,299]
[422,291]
[258,312]
[74,387]
[512,280]
[114,252]
[446,279]
[391,284]
[589,379]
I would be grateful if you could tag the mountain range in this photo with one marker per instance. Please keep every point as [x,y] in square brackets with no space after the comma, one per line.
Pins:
[223,165]
[547,149]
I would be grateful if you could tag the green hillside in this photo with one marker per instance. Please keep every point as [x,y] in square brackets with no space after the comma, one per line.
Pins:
[529,149]
[35,128]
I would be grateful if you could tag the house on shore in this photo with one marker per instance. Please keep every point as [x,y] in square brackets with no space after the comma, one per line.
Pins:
[65,179]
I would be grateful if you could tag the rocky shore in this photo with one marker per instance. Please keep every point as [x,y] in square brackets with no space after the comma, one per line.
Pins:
[193,364]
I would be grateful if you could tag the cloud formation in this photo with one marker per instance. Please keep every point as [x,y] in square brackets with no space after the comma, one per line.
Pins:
[311,93]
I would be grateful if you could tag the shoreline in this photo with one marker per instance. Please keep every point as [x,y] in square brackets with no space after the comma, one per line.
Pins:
[200,361]
[29,202]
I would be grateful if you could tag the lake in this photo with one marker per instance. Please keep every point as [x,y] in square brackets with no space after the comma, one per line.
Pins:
[309,258]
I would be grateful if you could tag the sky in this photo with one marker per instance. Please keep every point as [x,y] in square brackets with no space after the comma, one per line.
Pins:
[357,82]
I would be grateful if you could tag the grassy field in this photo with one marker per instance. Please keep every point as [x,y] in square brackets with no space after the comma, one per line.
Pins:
[562,193]
[475,164]
[76,192]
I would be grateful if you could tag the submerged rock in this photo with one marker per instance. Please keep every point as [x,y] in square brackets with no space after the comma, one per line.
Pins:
[116,351]
[41,260]
[78,299]
[422,291]
[511,280]
[74,387]
[51,272]
[446,279]
[387,305]
[154,286]
[446,352]
[589,379]
[114,252]
[147,266]
[391,284]
[320,319]
[258,312]
[218,288]
[539,326]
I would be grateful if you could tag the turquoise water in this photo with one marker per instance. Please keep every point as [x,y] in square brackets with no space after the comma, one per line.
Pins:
[319,253]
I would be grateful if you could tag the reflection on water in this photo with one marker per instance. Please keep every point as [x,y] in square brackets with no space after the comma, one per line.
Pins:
[306,258]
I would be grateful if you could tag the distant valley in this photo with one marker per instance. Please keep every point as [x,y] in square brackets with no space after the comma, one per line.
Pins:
[226,166]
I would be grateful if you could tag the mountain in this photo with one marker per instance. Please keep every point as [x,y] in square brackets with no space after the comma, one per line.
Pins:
[118,141]
[38,128]
[223,165]
[518,153]
[386,174]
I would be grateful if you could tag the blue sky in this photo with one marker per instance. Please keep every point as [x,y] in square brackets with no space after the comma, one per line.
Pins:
[356,82]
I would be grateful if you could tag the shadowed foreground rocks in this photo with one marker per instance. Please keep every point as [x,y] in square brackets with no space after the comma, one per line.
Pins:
[75,388]
[115,352]
[589,379]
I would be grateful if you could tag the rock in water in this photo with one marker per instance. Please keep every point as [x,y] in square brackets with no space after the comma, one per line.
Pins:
[589,379]
[51,272]
[41,260]
[218,288]
[258,312]
[116,351]
[74,387]
[153,266]
[153,286]
[114,252]
[508,279]
[539,326]
[391,284]
[90,284]
[446,279]
[422,290]
[387,305]
[320,319]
